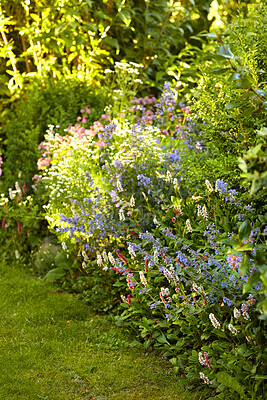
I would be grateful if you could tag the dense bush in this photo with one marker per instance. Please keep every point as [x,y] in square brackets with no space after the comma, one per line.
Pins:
[230,100]
[49,102]
[94,34]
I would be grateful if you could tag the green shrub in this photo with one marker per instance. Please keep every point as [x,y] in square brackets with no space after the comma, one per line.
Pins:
[43,103]
[229,104]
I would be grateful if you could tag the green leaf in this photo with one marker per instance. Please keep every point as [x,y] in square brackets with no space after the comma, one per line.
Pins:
[112,42]
[91,27]
[225,51]
[211,35]
[244,230]
[262,132]
[242,165]
[162,339]
[125,17]
[55,274]
[244,247]
[244,264]
[231,105]
[62,261]
[251,282]
[230,382]
[219,71]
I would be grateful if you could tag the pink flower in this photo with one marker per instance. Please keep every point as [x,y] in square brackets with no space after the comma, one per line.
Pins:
[24,188]
[43,162]
[36,178]
[42,146]
[207,359]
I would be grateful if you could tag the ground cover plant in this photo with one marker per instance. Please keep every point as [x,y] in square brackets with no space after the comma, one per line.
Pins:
[158,212]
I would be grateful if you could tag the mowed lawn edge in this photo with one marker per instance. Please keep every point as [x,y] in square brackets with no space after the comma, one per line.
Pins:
[53,346]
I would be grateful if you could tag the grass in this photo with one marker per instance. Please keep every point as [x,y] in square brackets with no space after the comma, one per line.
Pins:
[52,346]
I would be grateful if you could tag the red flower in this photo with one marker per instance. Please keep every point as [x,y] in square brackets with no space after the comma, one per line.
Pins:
[24,188]
[4,223]
[19,227]
[121,257]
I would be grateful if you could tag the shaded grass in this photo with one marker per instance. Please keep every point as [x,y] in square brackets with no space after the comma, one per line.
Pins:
[52,346]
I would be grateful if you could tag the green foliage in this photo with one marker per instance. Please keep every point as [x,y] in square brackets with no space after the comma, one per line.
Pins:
[22,225]
[49,102]
[230,100]
[93,34]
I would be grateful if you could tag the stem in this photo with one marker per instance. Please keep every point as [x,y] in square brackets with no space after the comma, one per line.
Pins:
[27,61]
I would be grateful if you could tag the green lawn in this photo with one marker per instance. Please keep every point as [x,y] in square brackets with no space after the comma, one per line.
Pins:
[52,346]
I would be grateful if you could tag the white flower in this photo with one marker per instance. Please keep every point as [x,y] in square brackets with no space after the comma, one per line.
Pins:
[204,212]
[17,254]
[175,183]
[11,195]
[246,315]
[121,215]
[205,379]
[18,189]
[84,265]
[73,211]
[99,260]
[105,256]
[169,176]
[111,258]
[201,359]
[131,251]
[142,278]
[85,256]
[232,329]
[155,221]
[199,213]
[179,210]
[119,187]
[237,313]
[249,339]
[198,289]
[132,202]
[64,247]
[210,188]
[214,321]
[105,268]
[165,292]
[156,256]
[188,225]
